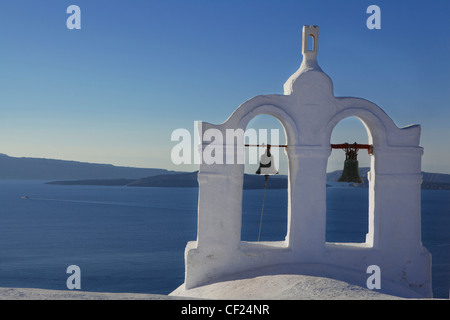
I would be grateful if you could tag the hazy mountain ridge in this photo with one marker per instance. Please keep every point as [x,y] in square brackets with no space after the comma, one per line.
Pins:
[251,181]
[82,173]
[430,180]
[178,180]
[51,169]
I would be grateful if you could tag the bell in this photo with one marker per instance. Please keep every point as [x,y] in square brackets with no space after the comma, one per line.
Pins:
[351,168]
[267,164]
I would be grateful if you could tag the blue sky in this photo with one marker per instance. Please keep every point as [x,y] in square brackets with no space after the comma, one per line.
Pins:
[114,91]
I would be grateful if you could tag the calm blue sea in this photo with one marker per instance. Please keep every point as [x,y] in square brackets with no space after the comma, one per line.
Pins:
[131,239]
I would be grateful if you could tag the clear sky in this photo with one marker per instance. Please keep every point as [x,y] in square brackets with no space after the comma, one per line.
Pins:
[114,91]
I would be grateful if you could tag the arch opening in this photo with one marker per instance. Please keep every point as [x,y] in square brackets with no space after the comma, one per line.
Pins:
[348,212]
[264,210]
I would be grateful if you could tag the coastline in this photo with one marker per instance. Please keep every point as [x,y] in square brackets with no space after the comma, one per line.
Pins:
[45,294]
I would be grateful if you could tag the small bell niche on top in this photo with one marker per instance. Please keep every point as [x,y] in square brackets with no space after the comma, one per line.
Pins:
[309,112]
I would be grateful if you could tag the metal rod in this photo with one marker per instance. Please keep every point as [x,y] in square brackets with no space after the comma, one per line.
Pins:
[356,146]
[265,145]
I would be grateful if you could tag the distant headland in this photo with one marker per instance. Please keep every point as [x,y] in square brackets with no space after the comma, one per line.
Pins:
[64,172]
[50,169]
[433,181]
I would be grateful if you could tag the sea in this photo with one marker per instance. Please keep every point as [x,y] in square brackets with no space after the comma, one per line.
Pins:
[132,239]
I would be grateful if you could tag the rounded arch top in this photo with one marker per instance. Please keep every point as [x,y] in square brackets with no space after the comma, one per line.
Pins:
[262,106]
[381,130]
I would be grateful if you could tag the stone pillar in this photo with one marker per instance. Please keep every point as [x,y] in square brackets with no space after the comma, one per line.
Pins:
[308,198]
[220,206]
[398,181]
[398,218]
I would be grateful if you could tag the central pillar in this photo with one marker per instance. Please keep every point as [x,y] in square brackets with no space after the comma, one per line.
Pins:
[306,227]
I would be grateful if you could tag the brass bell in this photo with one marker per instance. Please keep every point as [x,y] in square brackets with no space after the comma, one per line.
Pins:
[351,167]
[267,164]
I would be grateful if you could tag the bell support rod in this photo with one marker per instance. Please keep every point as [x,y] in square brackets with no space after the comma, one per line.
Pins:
[267,145]
[355,146]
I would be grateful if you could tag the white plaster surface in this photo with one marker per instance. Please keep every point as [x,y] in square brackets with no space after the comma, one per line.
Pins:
[295,282]
[283,287]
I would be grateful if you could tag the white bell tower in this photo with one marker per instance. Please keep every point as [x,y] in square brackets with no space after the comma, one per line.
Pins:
[309,111]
